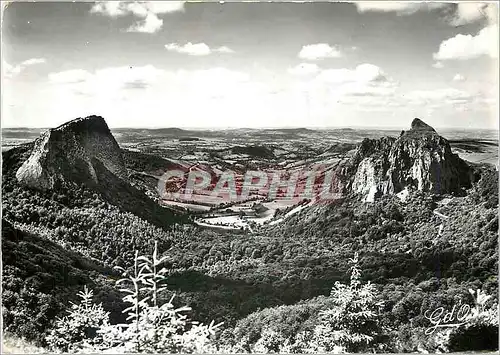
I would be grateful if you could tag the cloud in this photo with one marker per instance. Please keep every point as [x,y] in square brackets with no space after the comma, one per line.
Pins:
[366,84]
[211,76]
[213,82]
[450,101]
[438,65]
[462,13]
[224,49]
[117,81]
[459,77]
[189,97]
[468,46]
[110,8]
[399,7]
[151,24]
[33,61]
[367,90]
[136,8]
[303,69]
[69,76]
[196,49]
[12,70]
[319,51]
[469,12]
[147,11]
[9,70]
[163,7]
[108,82]
[439,96]
[363,73]
[220,97]
[189,48]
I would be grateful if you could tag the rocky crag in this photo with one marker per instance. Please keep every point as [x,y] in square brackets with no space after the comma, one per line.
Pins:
[419,159]
[83,152]
[71,152]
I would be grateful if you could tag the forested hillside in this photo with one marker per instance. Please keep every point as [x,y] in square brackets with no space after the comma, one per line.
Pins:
[268,284]
[227,277]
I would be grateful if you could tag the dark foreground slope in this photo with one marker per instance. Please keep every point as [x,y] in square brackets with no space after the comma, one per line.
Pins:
[40,277]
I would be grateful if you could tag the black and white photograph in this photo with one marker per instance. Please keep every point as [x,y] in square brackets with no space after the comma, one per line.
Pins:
[239,177]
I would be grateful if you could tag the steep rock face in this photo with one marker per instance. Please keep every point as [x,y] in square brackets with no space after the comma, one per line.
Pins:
[71,151]
[418,159]
[417,125]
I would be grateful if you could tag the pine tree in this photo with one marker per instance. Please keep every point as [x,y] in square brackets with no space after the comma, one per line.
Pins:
[352,324]
[155,277]
[155,328]
[150,327]
[137,303]
[80,327]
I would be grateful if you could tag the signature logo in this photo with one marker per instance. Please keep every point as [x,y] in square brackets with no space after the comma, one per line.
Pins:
[461,314]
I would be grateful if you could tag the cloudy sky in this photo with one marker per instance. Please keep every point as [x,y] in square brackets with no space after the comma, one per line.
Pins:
[165,64]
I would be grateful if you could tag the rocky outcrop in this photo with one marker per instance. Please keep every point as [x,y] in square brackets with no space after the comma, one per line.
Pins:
[71,151]
[418,125]
[418,159]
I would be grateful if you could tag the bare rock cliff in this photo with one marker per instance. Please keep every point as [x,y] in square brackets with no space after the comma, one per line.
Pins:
[418,159]
[71,151]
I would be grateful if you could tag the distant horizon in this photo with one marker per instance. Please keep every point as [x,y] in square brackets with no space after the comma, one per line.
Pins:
[208,128]
[232,128]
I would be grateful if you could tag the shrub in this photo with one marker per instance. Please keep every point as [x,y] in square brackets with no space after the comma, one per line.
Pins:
[352,324]
[79,328]
[151,327]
